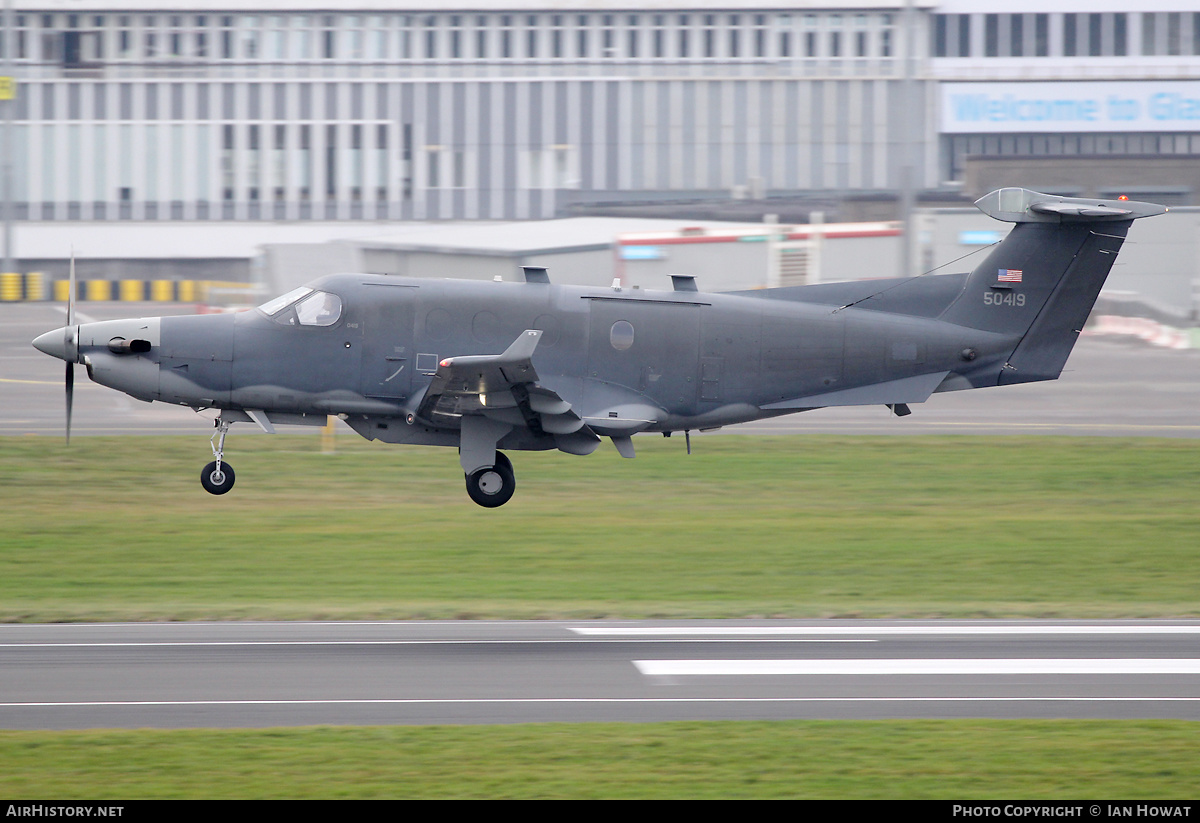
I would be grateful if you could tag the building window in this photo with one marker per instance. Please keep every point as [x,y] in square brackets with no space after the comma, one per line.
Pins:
[481,30]
[991,35]
[430,38]
[328,37]
[531,33]
[556,36]
[581,36]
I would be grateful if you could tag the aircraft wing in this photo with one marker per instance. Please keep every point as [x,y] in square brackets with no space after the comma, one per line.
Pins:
[493,393]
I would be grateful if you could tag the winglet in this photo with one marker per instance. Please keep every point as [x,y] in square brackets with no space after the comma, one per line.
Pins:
[522,348]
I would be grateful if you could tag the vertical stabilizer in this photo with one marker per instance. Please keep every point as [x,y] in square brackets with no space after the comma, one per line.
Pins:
[1040,283]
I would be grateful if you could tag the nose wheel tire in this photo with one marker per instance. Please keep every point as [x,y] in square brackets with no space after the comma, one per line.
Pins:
[494,485]
[217,481]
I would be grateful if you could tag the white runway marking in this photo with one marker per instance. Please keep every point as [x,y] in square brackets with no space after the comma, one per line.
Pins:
[990,666]
[826,631]
[515,642]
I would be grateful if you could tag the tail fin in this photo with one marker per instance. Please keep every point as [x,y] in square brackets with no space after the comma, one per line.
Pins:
[1042,280]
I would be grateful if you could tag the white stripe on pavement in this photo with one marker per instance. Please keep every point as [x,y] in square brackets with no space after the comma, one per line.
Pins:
[991,666]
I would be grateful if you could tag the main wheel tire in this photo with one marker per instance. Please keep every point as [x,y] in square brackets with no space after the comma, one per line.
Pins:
[215,482]
[502,460]
[492,486]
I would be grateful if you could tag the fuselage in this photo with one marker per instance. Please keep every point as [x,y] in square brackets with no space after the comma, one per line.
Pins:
[701,360]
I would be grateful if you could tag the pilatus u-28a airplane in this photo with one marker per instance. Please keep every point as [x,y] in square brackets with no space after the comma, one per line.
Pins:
[485,366]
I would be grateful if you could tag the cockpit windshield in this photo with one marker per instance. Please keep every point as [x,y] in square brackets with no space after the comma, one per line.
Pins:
[273,307]
[304,307]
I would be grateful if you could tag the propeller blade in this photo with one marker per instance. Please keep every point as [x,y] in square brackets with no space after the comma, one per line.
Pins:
[71,292]
[72,346]
[70,396]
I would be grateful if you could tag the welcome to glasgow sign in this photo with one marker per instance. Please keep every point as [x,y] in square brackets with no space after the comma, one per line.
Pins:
[995,108]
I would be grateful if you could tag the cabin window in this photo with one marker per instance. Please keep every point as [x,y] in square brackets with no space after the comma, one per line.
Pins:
[621,335]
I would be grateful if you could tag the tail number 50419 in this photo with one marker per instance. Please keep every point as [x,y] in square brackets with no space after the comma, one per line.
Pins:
[1003,298]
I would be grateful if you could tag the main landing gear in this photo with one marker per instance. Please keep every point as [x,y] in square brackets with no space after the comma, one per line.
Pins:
[217,477]
[493,486]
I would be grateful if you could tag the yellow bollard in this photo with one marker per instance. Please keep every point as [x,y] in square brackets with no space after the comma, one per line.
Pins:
[328,433]
[133,291]
[35,285]
[10,286]
[187,291]
[97,290]
[62,291]
[162,291]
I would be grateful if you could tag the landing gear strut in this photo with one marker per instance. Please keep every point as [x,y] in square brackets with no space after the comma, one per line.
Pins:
[217,477]
[493,486]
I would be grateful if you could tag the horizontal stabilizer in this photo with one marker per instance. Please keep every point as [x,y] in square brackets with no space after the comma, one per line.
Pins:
[894,392]
[1014,205]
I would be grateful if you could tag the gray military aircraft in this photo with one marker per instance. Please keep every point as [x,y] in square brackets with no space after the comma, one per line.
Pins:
[485,366]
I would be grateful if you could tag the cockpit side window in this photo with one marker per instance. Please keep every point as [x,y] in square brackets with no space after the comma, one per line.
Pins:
[304,307]
[319,309]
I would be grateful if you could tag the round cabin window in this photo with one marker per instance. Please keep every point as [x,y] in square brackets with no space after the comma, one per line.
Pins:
[621,335]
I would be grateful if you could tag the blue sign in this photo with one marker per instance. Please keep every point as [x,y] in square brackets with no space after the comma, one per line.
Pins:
[642,253]
[1132,105]
[979,238]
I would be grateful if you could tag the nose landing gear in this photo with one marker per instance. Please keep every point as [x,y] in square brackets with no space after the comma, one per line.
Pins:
[217,477]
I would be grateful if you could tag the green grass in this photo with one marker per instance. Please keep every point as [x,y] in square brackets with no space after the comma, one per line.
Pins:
[959,760]
[813,526]
[119,529]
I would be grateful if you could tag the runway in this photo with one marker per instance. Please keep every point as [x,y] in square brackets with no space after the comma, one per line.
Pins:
[1108,388]
[290,674]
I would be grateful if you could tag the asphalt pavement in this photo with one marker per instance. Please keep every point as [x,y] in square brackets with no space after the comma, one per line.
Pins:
[269,674]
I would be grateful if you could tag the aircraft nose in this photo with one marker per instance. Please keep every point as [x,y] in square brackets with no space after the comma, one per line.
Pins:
[53,343]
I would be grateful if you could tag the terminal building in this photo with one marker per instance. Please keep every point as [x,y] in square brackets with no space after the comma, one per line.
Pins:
[140,113]
[434,109]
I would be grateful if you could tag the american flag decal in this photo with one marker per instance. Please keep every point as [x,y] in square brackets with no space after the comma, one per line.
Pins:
[1009,276]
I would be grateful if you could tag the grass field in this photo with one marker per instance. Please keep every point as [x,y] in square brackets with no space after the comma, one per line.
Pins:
[959,760]
[119,529]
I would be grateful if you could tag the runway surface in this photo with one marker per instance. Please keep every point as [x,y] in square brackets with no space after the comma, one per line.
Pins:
[1108,388]
[268,674]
